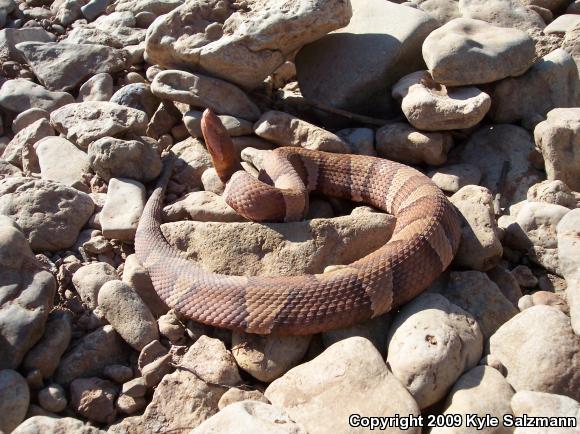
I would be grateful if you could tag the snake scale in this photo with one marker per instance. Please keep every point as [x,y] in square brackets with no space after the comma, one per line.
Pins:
[424,241]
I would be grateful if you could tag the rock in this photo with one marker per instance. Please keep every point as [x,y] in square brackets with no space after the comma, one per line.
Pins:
[571,43]
[466,51]
[136,276]
[568,244]
[192,160]
[20,150]
[482,391]
[89,35]
[349,377]
[97,88]
[503,13]
[202,206]
[62,66]
[268,357]
[235,395]
[360,141]
[401,142]
[150,353]
[551,82]
[121,25]
[480,247]
[123,208]
[555,192]
[544,298]
[129,405]
[503,148]
[287,130]
[203,91]
[524,276]
[455,176]
[135,388]
[267,249]
[137,96]
[248,417]
[127,313]
[234,126]
[85,122]
[51,425]
[89,279]
[52,398]
[30,290]
[154,372]
[171,327]
[431,106]
[27,118]
[52,151]
[157,7]
[344,69]
[94,399]
[238,44]
[558,138]
[539,404]
[431,342]
[91,354]
[11,36]
[19,95]
[375,330]
[534,230]
[117,158]
[14,399]
[562,24]
[442,10]
[190,395]
[475,293]
[45,355]
[541,337]
[66,12]
[118,373]
[31,203]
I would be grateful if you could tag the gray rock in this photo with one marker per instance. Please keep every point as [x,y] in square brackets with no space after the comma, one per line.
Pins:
[94,8]
[137,96]
[354,68]
[157,7]
[97,88]
[28,295]
[118,373]
[466,51]
[204,91]
[14,399]
[51,425]
[91,354]
[202,206]
[85,122]
[551,82]
[90,35]
[502,13]
[62,66]
[361,141]
[20,150]
[432,341]
[28,117]
[562,24]
[127,313]
[442,10]
[192,160]
[135,275]
[94,399]
[455,176]
[52,398]
[45,355]
[50,214]
[66,12]
[123,208]
[238,44]
[62,162]
[234,126]
[89,279]
[11,36]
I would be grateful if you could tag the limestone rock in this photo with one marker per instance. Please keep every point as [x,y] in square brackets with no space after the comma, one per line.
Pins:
[348,377]
[11,36]
[85,122]
[20,150]
[90,35]
[201,206]
[89,279]
[14,399]
[117,158]
[123,208]
[268,249]
[19,95]
[551,82]
[242,45]
[432,341]
[97,88]
[503,13]
[480,247]
[401,142]
[51,425]
[540,404]
[431,106]
[50,214]
[455,176]
[541,337]
[52,152]
[562,24]
[287,130]
[62,66]
[466,51]
[355,67]
[554,192]
[249,417]
[157,7]
[204,91]
[558,138]
[27,118]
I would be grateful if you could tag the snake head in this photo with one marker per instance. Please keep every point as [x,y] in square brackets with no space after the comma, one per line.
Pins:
[219,145]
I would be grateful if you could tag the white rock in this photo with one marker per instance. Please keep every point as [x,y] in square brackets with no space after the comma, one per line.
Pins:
[539,404]
[555,192]
[63,162]
[123,208]
[455,176]
[89,279]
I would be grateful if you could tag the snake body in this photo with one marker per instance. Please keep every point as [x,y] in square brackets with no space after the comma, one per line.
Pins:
[424,241]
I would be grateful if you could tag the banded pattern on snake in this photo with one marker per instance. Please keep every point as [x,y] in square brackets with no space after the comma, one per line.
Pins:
[425,239]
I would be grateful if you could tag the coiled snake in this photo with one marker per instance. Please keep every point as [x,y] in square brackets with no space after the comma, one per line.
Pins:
[424,241]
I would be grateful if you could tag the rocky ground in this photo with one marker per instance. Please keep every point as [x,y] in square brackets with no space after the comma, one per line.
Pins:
[481,95]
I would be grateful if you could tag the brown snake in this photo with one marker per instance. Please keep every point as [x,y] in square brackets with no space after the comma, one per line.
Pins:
[424,241]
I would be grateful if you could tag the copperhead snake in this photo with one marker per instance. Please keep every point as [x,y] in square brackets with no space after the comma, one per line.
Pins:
[424,241]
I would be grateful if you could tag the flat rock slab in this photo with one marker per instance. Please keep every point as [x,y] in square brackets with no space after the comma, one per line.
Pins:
[242,44]
[10,37]
[354,68]
[123,208]
[63,66]
[19,95]
[52,152]
[280,248]
[50,214]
